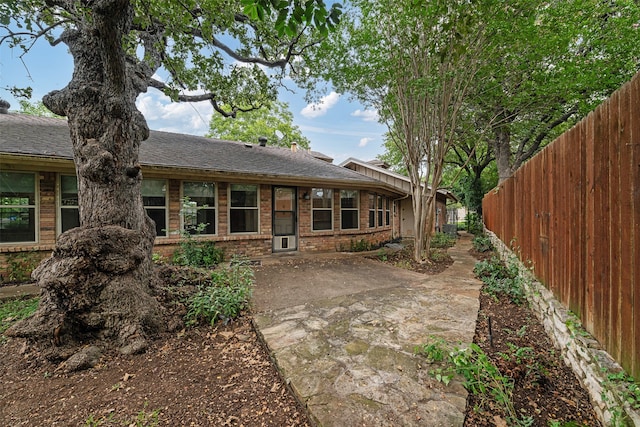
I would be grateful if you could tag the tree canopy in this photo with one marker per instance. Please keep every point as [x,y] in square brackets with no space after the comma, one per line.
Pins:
[274,123]
[544,66]
[233,54]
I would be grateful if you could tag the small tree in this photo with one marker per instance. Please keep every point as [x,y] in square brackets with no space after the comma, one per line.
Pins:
[414,62]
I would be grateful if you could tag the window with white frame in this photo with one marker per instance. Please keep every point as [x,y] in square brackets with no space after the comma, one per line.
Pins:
[243,208]
[380,212]
[349,212]
[387,210]
[321,209]
[372,210]
[199,207]
[17,207]
[68,203]
[154,198]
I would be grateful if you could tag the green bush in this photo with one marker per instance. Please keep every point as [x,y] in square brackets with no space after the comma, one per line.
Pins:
[223,297]
[442,240]
[474,223]
[360,246]
[500,280]
[197,253]
[482,243]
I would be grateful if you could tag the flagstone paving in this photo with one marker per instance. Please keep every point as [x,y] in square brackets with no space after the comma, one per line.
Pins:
[343,330]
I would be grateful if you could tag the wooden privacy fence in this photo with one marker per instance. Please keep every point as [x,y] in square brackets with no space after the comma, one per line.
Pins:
[573,214]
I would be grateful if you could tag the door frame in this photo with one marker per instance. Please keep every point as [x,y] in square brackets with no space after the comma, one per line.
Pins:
[278,241]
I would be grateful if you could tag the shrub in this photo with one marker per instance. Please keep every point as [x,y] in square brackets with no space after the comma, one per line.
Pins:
[223,297]
[442,240]
[500,280]
[197,253]
[482,243]
[360,246]
[474,223]
[481,376]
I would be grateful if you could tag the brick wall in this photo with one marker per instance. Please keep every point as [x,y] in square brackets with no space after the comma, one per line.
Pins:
[245,244]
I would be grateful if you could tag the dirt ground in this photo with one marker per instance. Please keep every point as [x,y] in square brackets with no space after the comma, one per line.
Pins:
[223,376]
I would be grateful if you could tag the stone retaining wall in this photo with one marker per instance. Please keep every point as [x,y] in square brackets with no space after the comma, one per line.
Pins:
[591,364]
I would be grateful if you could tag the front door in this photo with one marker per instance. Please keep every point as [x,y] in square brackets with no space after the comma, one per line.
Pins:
[284,219]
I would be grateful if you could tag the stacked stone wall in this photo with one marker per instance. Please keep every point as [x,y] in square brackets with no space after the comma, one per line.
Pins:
[581,352]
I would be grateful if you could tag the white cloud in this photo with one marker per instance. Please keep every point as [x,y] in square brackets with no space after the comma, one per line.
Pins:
[181,117]
[364,142]
[366,115]
[320,109]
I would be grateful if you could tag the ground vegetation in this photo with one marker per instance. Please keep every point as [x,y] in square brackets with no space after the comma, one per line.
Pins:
[223,375]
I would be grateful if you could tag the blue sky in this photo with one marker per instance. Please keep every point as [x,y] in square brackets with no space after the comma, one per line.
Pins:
[335,126]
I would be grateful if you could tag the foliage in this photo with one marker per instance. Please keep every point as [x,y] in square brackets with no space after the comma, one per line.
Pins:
[143,418]
[16,309]
[442,241]
[20,265]
[500,280]
[416,77]
[482,243]
[158,258]
[361,245]
[224,296]
[552,63]
[481,376]
[195,252]
[192,251]
[438,255]
[221,50]
[35,109]
[474,223]
[630,388]
[267,122]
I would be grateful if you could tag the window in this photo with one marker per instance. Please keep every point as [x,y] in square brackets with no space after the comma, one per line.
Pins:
[387,210]
[154,198]
[372,210]
[69,214]
[199,207]
[17,207]
[349,213]
[380,212]
[322,209]
[243,208]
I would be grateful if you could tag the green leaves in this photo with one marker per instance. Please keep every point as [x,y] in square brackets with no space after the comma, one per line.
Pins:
[223,297]
[292,17]
[267,121]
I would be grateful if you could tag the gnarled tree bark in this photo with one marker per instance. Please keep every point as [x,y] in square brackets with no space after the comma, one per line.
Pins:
[98,282]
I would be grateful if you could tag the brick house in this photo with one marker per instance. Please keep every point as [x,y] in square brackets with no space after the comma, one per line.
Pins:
[254,199]
[379,171]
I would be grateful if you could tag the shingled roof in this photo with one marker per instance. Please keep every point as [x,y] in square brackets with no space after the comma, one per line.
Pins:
[45,137]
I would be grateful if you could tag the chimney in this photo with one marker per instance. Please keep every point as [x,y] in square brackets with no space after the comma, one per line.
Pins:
[4,106]
[294,146]
[263,141]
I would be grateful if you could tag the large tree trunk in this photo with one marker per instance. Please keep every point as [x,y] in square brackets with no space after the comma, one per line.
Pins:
[98,282]
[502,149]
